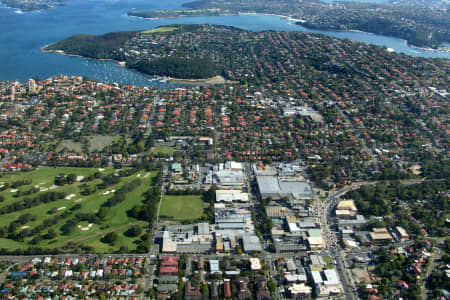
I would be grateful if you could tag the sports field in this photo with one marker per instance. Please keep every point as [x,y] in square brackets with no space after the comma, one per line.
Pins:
[165,150]
[182,207]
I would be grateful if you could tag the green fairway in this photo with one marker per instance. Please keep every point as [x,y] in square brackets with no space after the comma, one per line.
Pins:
[123,241]
[182,207]
[9,244]
[68,208]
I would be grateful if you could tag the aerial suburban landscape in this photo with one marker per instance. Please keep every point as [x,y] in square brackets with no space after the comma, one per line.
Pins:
[273,164]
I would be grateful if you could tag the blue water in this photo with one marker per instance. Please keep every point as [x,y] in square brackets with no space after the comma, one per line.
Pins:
[23,34]
[366,1]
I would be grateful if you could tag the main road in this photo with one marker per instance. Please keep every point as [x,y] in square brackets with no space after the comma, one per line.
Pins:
[331,237]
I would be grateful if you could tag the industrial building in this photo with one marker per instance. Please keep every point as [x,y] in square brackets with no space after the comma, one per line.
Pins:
[250,243]
[276,188]
[229,196]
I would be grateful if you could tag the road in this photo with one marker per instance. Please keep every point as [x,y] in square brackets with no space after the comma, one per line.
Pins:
[332,242]
[155,228]
[434,258]
[331,238]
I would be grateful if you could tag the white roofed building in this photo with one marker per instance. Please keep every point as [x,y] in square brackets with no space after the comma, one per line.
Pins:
[300,291]
[231,196]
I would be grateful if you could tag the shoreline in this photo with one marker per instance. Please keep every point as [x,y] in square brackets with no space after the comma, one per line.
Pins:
[181,81]
[201,81]
[20,9]
[301,22]
[120,63]
[181,16]
[439,50]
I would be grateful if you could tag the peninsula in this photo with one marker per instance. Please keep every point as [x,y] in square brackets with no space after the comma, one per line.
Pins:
[143,51]
[32,5]
[420,24]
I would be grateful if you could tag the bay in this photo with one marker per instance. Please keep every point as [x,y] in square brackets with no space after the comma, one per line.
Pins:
[24,34]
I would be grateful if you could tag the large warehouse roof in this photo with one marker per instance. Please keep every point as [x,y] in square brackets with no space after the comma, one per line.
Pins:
[272,185]
[251,243]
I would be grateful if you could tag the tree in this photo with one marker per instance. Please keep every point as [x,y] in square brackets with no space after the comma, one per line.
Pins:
[71,178]
[110,238]
[134,231]
[272,286]
[139,289]
[205,290]
[51,234]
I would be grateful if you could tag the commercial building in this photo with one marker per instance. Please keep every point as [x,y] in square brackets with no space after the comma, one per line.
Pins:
[278,211]
[326,283]
[346,209]
[300,291]
[255,264]
[356,223]
[203,228]
[191,238]
[315,240]
[275,188]
[380,236]
[214,266]
[401,233]
[176,168]
[229,174]
[251,243]
[229,196]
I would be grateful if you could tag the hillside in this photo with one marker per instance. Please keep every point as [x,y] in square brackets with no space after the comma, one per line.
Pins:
[111,45]
[92,46]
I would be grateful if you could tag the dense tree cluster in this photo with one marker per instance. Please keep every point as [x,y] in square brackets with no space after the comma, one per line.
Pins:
[120,195]
[414,207]
[63,179]
[393,267]
[147,210]
[98,47]
[178,67]
[30,202]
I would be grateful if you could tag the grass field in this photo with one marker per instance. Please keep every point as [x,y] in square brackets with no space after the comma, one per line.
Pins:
[95,143]
[182,207]
[329,261]
[161,29]
[165,150]
[116,219]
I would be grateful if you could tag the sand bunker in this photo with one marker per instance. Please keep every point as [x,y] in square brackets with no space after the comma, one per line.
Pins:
[79,178]
[85,228]
[61,208]
[70,196]
[109,192]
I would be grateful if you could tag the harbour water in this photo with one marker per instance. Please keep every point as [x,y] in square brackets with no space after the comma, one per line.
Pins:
[24,34]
